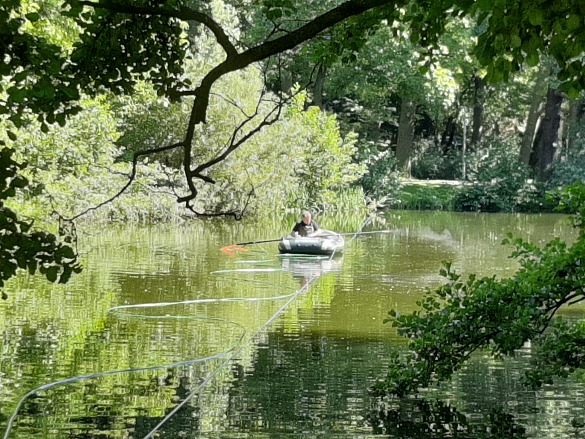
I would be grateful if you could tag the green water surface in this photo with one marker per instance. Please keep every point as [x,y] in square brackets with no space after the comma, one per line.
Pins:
[260,345]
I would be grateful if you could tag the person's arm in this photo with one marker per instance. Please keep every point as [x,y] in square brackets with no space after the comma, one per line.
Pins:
[318,231]
[295,230]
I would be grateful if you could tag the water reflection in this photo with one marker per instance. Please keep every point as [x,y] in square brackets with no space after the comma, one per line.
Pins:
[422,419]
[305,268]
[307,373]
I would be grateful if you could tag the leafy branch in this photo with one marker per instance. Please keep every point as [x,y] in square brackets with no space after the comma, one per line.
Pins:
[21,246]
[500,315]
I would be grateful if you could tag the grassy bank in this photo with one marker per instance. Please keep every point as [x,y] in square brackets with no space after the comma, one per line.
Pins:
[454,195]
[426,195]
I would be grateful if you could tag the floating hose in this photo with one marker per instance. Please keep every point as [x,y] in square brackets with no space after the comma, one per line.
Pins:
[227,355]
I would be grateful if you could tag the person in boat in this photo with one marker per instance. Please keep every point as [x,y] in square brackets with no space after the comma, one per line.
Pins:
[307,226]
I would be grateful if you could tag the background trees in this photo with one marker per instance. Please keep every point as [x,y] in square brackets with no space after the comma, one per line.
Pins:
[422,73]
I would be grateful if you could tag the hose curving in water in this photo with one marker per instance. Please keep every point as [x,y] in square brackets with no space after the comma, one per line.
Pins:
[228,355]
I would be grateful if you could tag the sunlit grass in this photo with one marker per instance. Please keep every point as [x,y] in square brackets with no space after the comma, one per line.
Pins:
[425,197]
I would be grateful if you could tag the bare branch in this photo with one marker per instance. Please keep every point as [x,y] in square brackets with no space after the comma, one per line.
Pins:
[269,119]
[231,102]
[578,298]
[131,178]
[236,215]
[234,61]
[552,310]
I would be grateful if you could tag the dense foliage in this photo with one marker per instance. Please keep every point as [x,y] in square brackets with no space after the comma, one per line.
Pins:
[501,315]
[23,247]
[499,182]
[87,163]
[152,110]
[419,418]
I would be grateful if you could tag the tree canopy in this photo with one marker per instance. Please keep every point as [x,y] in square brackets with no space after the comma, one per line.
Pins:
[21,246]
[118,43]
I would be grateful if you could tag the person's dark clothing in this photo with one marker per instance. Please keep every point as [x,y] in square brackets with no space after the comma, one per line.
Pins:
[305,229]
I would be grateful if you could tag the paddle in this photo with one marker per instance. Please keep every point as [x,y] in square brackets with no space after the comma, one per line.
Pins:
[230,249]
[257,242]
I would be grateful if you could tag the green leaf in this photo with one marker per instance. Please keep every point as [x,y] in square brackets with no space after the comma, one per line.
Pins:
[32,266]
[17,94]
[573,92]
[5,68]
[52,273]
[66,275]
[60,119]
[66,252]
[19,182]
[16,119]
[11,136]
[532,59]
[573,22]
[33,16]
[535,17]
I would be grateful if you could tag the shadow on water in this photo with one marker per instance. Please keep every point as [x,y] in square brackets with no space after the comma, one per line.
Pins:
[419,418]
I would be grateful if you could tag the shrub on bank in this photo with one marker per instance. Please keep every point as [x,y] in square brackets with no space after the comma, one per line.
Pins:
[413,196]
[471,197]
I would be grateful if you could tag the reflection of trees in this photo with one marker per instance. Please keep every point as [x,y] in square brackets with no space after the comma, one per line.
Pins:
[319,384]
[488,382]
[170,287]
[420,419]
[108,403]
[107,407]
[184,424]
[305,383]
[485,381]
[297,380]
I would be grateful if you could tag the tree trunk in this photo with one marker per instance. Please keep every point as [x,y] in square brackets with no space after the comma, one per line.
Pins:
[534,114]
[405,133]
[448,136]
[478,101]
[547,137]
[574,122]
[319,86]
[286,82]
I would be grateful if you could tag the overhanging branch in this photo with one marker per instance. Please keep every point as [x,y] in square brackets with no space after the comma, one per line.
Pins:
[234,61]
[131,178]
[183,13]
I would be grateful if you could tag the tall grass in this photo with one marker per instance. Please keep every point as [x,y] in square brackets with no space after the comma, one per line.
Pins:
[425,197]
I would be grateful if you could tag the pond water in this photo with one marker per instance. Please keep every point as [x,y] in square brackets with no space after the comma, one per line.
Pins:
[164,335]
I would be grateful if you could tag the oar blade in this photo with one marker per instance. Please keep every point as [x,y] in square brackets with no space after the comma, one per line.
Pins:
[231,250]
